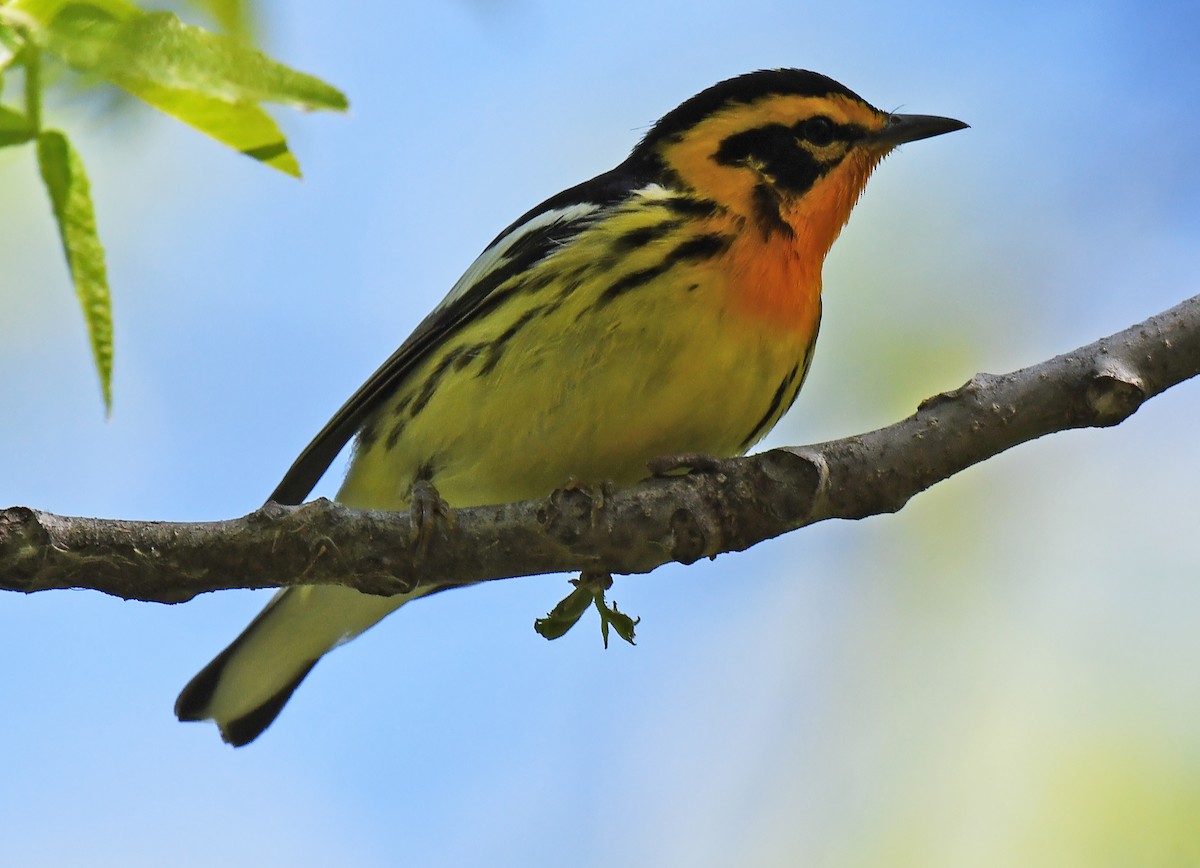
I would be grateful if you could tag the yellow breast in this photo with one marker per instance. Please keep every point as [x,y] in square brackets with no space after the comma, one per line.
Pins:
[611,365]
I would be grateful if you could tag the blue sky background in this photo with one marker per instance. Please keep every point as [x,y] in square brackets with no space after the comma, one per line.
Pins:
[1003,673]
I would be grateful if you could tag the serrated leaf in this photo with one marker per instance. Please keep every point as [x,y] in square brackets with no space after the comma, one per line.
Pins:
[15,128]
[209,81]
[71,199]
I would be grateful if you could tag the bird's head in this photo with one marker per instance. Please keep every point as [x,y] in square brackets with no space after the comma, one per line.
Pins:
[787,149]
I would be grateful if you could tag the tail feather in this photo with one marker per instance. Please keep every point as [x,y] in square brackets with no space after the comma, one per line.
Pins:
[195,699]
[245,687]
[245,729]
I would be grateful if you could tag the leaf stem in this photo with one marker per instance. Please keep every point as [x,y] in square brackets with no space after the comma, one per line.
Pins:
[33,85]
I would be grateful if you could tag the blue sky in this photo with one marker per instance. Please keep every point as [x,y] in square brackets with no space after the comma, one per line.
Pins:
[1003,672]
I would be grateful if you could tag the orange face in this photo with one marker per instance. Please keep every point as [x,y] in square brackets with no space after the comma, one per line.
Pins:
[787,170]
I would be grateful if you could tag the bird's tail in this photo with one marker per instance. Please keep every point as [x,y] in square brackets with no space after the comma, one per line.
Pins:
[247,684]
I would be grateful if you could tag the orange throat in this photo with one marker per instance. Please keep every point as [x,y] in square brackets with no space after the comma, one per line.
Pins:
[778,274]
[817,217]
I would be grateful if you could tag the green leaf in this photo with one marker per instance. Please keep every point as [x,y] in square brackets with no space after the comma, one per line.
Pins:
[589,590]
[158,48]
[242,126]
[234,17]
[209,81]
[70,195]
[15,128]
[622,623]
[564,615]
[10,46]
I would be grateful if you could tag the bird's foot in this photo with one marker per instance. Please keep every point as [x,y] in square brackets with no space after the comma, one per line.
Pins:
[598,493]
[684,463]
[429,514]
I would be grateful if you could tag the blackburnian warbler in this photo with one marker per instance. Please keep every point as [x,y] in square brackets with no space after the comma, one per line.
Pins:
[667,306]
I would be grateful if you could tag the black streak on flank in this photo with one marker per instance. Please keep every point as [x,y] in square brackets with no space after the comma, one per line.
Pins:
[431,382]
[643,235]
[496,348]
[397,425]
[539,280]
[701,247]
[687,206]
[369,432]
[776,408]
[555,303]
[468,355]
[571,281]
[393,436]
[695,249]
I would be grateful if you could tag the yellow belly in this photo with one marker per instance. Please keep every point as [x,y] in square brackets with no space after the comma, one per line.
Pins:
[586,391]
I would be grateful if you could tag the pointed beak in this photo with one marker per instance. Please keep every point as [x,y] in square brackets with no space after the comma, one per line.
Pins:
[910,128]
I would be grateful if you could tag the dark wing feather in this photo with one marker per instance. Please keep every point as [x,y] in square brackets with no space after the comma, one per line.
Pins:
[522,244]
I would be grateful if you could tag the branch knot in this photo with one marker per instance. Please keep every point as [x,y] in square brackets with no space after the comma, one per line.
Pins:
[1115,392]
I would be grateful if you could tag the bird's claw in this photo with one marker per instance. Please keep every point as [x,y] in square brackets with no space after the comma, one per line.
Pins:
[429,513]
[598,492]
[684,463]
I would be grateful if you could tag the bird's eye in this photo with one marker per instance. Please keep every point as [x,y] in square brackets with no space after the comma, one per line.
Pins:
[818,130]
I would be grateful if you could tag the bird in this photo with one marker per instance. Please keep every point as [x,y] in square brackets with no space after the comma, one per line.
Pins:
[668,306]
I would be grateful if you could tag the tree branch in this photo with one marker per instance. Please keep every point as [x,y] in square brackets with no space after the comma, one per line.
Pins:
[728,506]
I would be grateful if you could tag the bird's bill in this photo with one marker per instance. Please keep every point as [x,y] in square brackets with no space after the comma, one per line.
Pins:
[911,128]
